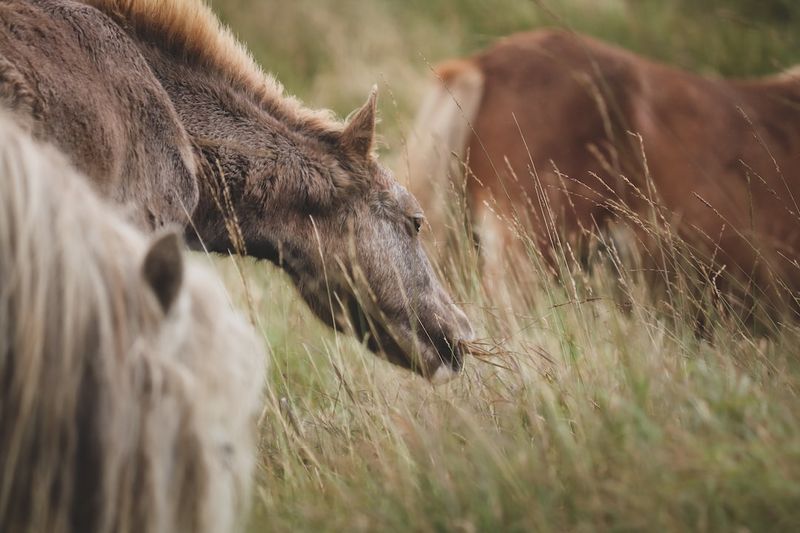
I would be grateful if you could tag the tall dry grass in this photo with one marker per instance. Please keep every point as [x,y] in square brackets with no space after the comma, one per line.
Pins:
[595,404]
[588,416]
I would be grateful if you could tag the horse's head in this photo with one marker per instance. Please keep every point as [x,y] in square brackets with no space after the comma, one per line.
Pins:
[361,266]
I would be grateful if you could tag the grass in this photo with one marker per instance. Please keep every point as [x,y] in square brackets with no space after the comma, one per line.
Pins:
[591,415]
[601,419]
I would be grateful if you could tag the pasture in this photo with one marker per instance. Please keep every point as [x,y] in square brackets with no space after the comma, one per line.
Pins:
[582,414]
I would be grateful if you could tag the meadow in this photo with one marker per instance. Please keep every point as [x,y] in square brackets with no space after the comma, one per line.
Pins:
[584,414]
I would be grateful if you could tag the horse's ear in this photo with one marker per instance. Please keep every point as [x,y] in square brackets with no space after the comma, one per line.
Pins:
[358,136]
[162,268]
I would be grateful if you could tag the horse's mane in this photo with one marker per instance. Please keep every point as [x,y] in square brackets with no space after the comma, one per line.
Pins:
[191,29]
[114,415]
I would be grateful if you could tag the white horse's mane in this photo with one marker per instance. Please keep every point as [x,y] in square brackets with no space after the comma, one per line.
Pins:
[114,414]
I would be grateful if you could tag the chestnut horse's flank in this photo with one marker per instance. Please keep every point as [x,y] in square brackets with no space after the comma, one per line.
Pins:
[130,387]
[556,143]
[171,116]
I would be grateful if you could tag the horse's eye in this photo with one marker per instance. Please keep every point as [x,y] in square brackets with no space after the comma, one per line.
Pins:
[417,221]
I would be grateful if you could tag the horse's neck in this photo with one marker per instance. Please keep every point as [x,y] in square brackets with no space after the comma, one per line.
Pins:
[233,136]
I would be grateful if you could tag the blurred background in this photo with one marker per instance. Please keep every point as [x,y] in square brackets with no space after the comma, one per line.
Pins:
[330,52]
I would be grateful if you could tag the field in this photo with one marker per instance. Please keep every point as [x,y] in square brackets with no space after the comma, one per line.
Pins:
[588,415]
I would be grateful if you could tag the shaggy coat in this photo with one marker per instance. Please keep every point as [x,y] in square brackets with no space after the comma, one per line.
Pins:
[109,114]
[130,387]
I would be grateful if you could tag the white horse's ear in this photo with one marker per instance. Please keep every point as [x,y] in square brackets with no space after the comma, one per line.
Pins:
[162,268]
[358,136]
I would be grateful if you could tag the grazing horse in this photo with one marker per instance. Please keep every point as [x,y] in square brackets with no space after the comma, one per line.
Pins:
[166,112]
[130,387]
[562,133]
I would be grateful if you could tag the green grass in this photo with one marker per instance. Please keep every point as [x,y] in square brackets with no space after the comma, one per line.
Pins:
[595,416]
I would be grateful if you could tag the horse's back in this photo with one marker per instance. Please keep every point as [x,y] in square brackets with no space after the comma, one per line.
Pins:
[77,80]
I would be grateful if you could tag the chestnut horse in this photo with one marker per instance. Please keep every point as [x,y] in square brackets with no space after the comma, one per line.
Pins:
[562,133]
[167,114]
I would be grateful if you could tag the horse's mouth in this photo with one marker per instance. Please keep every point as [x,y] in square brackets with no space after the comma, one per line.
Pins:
[428,353]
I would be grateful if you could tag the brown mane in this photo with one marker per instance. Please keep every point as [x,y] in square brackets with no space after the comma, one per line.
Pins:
[189,28]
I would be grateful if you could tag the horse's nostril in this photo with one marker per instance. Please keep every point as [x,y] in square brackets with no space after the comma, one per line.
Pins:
[455,356]
[457,361]
[450,352]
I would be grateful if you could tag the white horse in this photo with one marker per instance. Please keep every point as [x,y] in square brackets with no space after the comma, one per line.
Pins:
[129,387]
